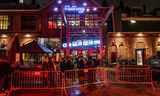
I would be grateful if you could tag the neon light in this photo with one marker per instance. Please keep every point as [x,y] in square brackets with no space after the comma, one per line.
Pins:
[88,10]
[55,9]
[84,4]
[59,1]
[84,31]
[90,42]
[74,44]
[95,9]
[74,9]
[85,43]
[79,43]
[82,43]
[64,45]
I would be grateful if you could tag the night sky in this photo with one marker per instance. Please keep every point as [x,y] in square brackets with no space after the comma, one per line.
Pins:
[151,4]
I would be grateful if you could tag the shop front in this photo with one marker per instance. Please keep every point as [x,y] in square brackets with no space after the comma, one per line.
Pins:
[83,47]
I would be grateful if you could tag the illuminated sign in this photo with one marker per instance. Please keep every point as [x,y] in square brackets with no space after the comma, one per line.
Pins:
[82,43]
[74,9]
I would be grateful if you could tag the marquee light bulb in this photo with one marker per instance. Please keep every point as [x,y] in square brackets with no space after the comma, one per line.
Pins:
[95,9]
[84,4]
[59,1]
[55,9]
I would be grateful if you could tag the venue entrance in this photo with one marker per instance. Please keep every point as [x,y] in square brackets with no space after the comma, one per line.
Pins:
[84,52]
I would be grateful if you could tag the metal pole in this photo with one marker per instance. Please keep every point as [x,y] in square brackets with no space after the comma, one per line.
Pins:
[114,30]
[68,40]
[101,44]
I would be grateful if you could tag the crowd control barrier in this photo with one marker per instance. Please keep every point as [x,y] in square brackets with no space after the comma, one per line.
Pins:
[36,80]
[80,77]
[130,75]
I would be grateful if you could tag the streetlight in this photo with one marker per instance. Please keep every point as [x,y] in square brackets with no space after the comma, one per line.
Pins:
[133,21]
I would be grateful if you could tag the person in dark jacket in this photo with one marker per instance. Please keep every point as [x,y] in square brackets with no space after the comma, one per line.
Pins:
[5,72]
[62,64]
[81,64]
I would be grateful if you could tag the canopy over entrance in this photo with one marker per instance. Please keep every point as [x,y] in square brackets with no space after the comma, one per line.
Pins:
[34,47]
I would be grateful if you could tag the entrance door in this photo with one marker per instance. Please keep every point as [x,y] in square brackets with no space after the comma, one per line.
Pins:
[84,52]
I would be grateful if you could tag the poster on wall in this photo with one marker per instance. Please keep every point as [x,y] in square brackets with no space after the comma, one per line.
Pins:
[140,56]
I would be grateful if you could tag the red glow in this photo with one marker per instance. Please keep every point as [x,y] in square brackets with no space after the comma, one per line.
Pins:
[37,73]
[52,25]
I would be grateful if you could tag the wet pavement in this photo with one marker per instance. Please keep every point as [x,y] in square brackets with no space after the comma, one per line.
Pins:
[98,90]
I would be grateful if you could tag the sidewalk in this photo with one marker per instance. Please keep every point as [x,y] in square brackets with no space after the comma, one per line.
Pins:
[113,90]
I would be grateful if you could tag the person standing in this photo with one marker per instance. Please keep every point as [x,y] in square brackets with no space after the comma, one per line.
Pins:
[62,64]
[44,71]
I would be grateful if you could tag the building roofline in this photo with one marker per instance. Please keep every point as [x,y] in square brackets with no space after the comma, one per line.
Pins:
[54,1]
[149,32]
[96,3]
[47,4]
[141,19]
[18,10]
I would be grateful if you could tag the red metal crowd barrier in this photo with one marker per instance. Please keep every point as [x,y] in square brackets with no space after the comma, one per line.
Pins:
[110,75]
[36,80]
[81,77]
[130,75]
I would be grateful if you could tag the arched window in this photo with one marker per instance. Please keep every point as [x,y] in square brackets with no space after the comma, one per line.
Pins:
[113,52]
[158,49]
[140,45]
[121,51]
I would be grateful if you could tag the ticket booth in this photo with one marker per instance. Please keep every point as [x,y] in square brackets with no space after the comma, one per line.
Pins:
[140,55]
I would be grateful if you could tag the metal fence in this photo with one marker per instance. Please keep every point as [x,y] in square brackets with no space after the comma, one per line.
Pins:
[36,80]
[132,75]
[80,77]
[135,75]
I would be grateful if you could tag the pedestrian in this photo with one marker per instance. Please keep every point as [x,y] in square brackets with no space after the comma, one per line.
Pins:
[45,71]
[62,64]
[81,65]
[91,73]
[45,64]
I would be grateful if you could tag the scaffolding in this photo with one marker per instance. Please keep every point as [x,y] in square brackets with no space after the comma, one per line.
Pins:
[89,24]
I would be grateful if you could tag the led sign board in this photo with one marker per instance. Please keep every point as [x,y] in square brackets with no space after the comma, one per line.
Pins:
[82,43]
[74,9]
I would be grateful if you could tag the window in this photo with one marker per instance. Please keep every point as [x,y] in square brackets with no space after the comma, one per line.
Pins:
[73,19]
[4,22]
[51,43]
[3,44]
[55,21]
[91,20]
[28,23]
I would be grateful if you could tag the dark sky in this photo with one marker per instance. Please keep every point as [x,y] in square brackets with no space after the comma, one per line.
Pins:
[151,4]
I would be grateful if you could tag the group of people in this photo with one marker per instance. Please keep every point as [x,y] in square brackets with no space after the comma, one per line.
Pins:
[70,63]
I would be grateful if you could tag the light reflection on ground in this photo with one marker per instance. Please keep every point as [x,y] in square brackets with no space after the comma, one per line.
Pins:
[75,92]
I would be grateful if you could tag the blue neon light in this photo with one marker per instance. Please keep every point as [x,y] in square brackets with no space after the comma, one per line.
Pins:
[55,9]
[59,1]
[82,43]
[94,9]
[84,4]
[74,9]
